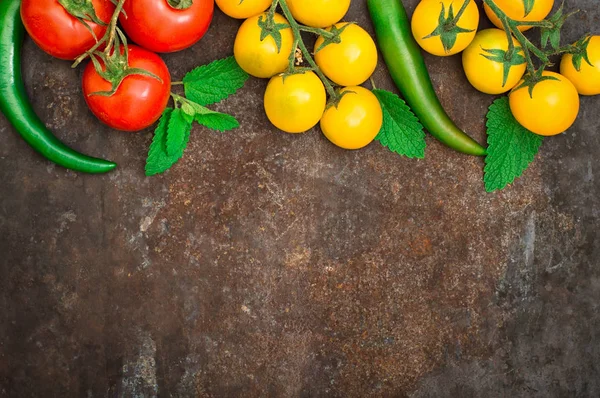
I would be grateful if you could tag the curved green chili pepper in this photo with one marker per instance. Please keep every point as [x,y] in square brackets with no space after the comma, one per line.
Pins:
[15,105]
[407,67]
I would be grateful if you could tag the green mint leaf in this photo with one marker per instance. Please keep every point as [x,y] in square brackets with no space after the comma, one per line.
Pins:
[159,160]
[401,131]
[179,125]
[217,121]
[511,147]
[212,83]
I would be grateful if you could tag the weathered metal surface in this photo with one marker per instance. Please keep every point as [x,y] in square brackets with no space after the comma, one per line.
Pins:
[267,264]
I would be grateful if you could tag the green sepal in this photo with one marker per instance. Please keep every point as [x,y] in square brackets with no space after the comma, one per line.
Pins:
[83,11]
[501,57]
[528,6]
[448,29]
[530,81]
[552,34]
[269,27]
[335,39]
[580,52]
[180,4]
[116,66]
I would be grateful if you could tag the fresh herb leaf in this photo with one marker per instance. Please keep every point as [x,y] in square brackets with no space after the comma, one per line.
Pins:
[511,147]
[401,131]
[158,159]
[212,83]
[217,121]
[179,125]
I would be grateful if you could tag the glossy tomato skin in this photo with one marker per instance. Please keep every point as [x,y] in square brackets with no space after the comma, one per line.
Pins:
[550,110]
[425,20]
[484,74]
[158,27]
[587,78]
[319,13]
[139,101]
[295,103]
[262,58]
[356,120]
[515,9]
[350,62]
[58,33]
[244,9]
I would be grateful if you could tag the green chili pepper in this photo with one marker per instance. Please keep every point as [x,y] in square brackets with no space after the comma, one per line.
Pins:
[407,67]
[15,105]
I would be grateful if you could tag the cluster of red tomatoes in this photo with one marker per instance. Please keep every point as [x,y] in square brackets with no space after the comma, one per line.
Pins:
[552,106]
[296,101]
[155,26]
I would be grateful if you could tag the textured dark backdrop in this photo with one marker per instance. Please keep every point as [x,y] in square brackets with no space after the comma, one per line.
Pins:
[267,264]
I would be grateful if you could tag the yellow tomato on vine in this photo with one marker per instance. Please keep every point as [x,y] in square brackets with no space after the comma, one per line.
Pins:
[486,65]
[445,27]
[262,58]
[242,9]
[583,69]
[319,13]
[550,108]
[520,10]
[295,103]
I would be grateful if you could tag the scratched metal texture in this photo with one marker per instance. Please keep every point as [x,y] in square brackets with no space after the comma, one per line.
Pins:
[275,265]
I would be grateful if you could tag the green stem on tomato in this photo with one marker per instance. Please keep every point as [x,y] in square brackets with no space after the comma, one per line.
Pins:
[109,36]
[334,96]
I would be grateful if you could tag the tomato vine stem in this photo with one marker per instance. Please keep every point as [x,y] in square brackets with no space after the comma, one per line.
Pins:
[530,50]
[299,43]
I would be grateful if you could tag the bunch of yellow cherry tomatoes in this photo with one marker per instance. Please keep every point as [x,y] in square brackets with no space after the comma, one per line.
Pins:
[552,106]
[295,99]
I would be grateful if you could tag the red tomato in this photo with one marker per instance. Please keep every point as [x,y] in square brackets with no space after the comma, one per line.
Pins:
[58,33]
[155,25]
[139,101]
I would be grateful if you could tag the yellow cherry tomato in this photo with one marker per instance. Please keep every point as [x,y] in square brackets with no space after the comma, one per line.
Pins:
[485,66]
[350,62]
[587,78]
[550,110]
[242,9]
[319,13]
[515,9]
[453,35]
[295,103]
[262,58]
[356,120]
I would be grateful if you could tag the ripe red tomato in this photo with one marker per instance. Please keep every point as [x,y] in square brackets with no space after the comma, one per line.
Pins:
[155,25]
[139,101]
[57,32]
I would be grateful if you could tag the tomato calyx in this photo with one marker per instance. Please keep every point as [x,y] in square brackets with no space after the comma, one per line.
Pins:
[180,4]
[530,81]
[335,101]
[551,33]
[580,52]
[448,29]
[112,64]
[115,66]
[271,28]
[334,36]
[508,59]
[84,12]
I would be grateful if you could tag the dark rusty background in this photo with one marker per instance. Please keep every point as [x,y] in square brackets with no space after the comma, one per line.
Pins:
[275,265]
